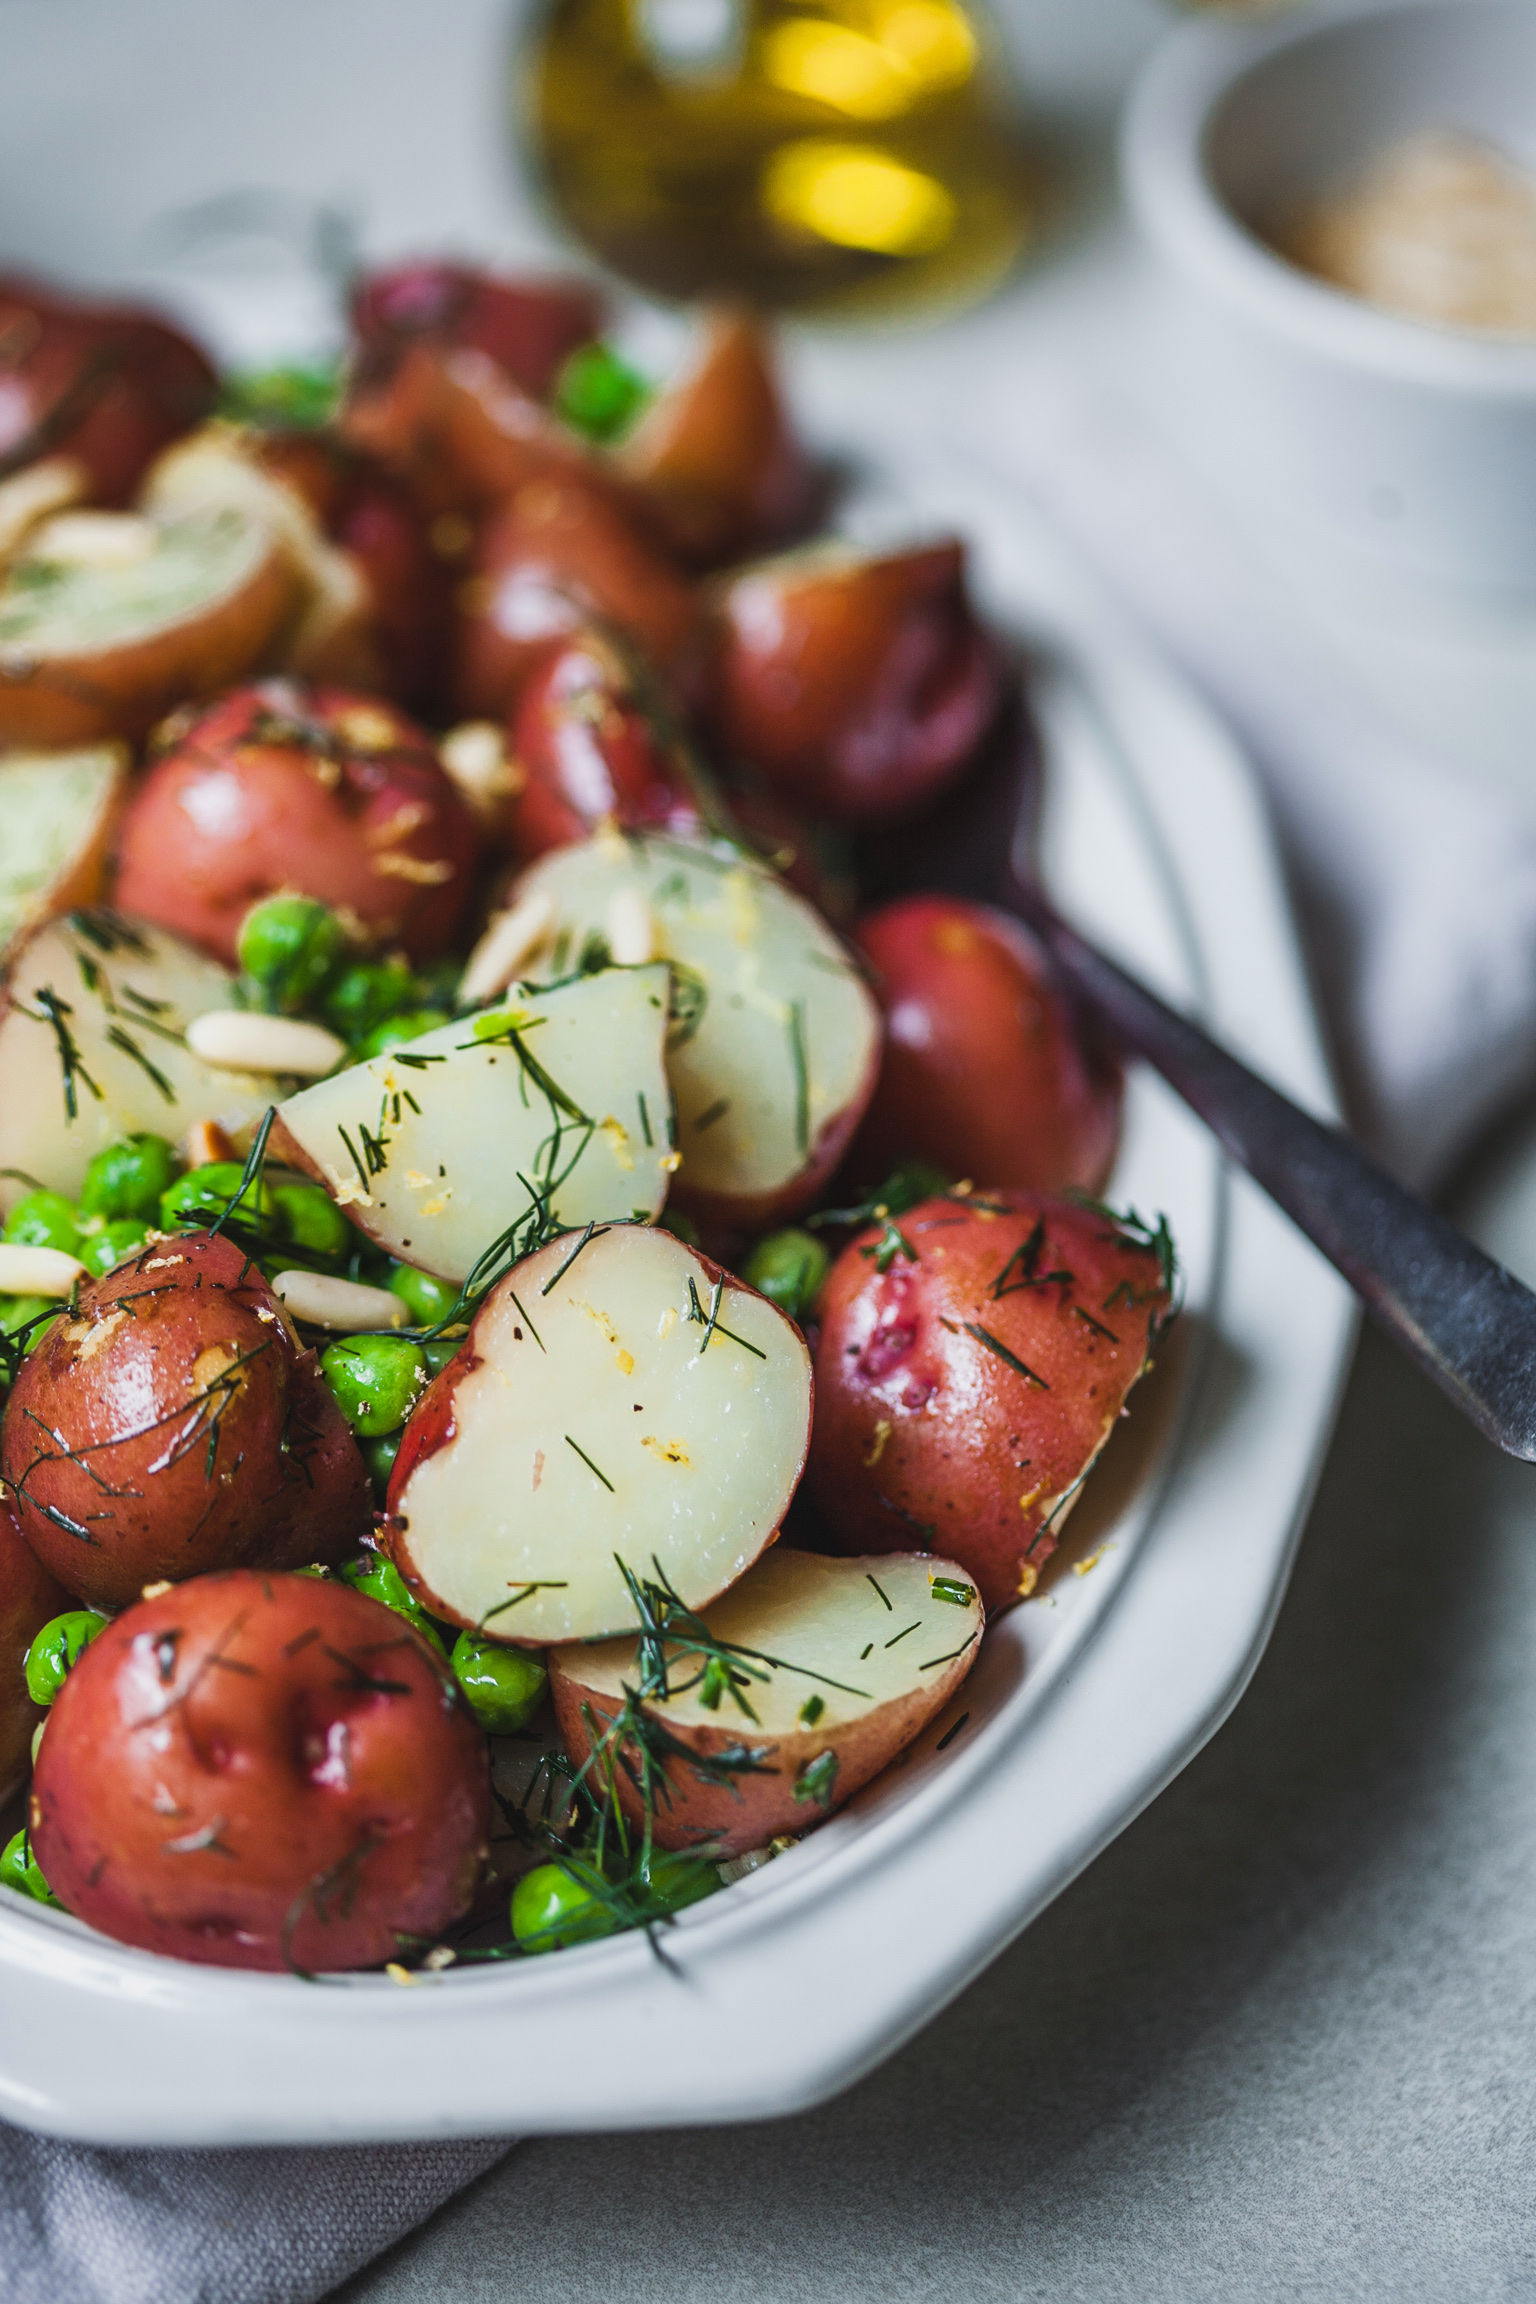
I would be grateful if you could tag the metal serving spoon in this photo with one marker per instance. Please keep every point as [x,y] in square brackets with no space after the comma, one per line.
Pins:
[1467,1322]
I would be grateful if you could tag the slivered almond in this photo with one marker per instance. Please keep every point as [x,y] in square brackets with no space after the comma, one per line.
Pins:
[28,1271]
[235,1040]
[631,929]
[511,938]
[323,1301]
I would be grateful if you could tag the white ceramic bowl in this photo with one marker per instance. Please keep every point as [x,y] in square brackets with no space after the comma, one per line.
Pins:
[1415,443]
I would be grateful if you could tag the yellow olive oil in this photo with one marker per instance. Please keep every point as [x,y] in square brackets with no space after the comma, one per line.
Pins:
[841,156]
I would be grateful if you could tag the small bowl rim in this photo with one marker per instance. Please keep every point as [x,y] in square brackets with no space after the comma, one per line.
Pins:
[1183,215]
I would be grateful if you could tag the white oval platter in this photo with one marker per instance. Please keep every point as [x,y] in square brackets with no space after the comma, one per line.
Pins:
[1086,1700]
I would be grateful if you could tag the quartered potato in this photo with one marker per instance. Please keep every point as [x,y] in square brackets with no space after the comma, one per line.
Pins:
[774,1040]
[93,1016]
[617,1398]
[108,619]
[438,1147]
[809,1676]
[57,814]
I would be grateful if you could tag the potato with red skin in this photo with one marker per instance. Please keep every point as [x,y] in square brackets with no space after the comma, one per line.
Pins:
[29,1599]
[529,328]
[963,1392]
[986,1070]
[558,556]
[589,740]
[715,457]
[106,385]
[261,1771]
[172,1424]
[856,684]
[279,786]
[457,432]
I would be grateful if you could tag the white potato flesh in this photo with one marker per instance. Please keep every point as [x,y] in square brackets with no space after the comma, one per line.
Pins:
[775,1037]
[427,1147]
[598,1413]
[56,814]
[93,1047]
[835,1665]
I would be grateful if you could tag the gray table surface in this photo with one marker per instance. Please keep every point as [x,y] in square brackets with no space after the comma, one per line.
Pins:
[1278,2042]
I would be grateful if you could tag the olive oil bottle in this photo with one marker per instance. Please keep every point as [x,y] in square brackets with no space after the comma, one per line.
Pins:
[819,156]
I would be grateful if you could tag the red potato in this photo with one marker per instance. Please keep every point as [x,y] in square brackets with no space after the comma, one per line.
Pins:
[279,786]
[618,1398]
[858,685]
[986,1071]
[529,328]
[109,619]
[716,459]
[262,1772]
[590,741]
[106,385]
[29,1598]
[559,555]
[964,1391]
[172,1424]
[864,1654]
[456,431]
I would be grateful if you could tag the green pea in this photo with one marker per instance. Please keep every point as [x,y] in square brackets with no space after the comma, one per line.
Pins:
[203,1195]
[789,1267]
[102,1252]
[128,1178]
[395,1032]
[16,1311]
[379,1456]
[287,947]
[20,1869]
[560,1904]
[680,1226]
[311,1219]
[317,1569]
[598,394]
[504,1686]
[45,1220]
[59,1646]
[679,1879]
[367,993]
[425,1297]
[437,1351]
[382,1581]
[374,1380]
[911,1182]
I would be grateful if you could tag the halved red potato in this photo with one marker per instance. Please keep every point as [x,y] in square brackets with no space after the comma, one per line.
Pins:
[108,619]
[376,598]
[591,741]
[528,327]
[105,385]
[715,456]
[94,1010]
[561,554]
[172,1424]
[319,790]
[987,1071]
[618,1399]
[58,813]
[858,684]
[29,1598]
[456,431]
[775,1038]
[428,1148]
[830,1668]
[262,1772]
[974,1357]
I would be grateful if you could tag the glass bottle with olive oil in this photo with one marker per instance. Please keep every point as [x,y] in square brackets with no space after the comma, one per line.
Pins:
[808,155]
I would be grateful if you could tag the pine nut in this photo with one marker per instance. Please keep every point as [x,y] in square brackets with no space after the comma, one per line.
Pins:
[236,1040]
[631,929]
[37,1271]
[511,938]
[345,1305]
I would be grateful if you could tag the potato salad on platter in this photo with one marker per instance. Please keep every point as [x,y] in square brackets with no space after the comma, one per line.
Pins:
[555,1274]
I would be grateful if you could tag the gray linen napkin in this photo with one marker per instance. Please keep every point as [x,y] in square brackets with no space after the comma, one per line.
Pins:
[80,2225]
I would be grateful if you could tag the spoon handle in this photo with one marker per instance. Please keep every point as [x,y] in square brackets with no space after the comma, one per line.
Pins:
[1467,1322]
